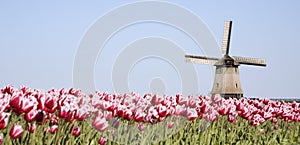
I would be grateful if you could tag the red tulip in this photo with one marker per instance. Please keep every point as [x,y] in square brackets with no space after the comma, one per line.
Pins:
[31,116]
[139,116]
[102,141]
[27,105]
[9,89]
[63,112]
[53,129]
[162,110]
[3,123]
[40,117]
[50,102]
[16,101]
[79,115]
[76,131]
[16,131]
[4,115]
[41,102]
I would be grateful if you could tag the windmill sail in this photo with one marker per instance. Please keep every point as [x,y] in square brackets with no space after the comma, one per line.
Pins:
[226,37]
[201,59]
[250,61]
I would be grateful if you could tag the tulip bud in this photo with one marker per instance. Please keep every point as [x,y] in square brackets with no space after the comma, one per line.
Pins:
[16,131]
[141,127]
[262,131]
[276,127]
[3,123]
[102,141]
[170,124]
[53,129]
[100,123]
[76,131]
[31,127]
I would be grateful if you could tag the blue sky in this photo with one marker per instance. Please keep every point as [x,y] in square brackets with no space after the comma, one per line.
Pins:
[39,41]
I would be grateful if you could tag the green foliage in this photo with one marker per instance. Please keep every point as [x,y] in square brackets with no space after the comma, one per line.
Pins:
[220,132]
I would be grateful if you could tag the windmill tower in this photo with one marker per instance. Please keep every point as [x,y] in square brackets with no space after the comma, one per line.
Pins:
[227,80]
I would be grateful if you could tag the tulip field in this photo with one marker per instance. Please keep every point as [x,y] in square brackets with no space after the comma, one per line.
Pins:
[69,116]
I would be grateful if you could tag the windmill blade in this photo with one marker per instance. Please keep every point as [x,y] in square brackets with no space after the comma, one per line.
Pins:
[226,37]
[201,59]
[250,61]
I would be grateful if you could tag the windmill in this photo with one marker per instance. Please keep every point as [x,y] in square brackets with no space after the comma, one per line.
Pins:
[227,79]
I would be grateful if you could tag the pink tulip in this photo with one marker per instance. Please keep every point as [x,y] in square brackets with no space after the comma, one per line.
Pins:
[102,141]
[1,138]
[112,132]
[262,131]
[276,127]
[192,114]
[141,127]
[216,98]
[16,131]
[170,124]
[100,123]
[79,115]
[31,127]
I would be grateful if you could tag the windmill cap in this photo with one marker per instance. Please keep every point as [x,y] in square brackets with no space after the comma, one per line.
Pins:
[226,60]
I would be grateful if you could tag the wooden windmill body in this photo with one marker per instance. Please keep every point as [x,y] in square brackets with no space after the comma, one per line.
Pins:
[227,80]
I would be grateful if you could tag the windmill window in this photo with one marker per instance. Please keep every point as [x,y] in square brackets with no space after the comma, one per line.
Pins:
[217,85]
[236,85]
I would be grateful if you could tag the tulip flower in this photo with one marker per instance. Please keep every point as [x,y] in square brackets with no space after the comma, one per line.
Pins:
[1,138]
[100,123]
[16,131]
[276,127]
[262,131]
[3,123]
[139,116]
[102,141]
[53,129]
[76,131]
[31,116]
[141,127]
[16,101]
[31,127]
[170,124]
